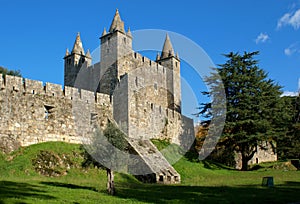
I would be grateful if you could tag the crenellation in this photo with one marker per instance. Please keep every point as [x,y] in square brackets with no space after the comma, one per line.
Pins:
[34,87]
[87,96]
[13,83]
[71,93]
[53,89]
[102,99]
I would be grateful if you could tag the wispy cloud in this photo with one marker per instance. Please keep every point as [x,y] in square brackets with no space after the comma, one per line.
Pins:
[291,19]
[292,49]
[261,38]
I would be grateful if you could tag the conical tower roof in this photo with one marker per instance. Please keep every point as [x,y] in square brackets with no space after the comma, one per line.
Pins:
[168,50]
[117,23]
[78,48]
[88,54]
[129,33]
[104,32]
[67,53]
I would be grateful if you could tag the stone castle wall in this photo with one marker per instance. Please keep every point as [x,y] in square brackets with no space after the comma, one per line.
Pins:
[141,101]
[31,113]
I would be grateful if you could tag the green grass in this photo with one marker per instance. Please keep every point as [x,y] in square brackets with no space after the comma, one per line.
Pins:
[203,182]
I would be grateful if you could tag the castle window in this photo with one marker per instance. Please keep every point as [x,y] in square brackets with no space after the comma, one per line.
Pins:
[48,111]
[94,117]
[108,39]
[136,81]
[124,40]
[176,64]
[155,86]
[151,106]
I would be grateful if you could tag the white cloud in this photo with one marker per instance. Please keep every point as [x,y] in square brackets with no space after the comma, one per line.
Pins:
[262,37]
[292,49]
[289,93]
[291,18]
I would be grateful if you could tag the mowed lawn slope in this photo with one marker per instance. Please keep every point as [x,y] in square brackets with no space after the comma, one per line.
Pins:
[202,182]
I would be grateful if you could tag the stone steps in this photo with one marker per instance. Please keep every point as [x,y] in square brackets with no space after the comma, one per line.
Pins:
[155,161]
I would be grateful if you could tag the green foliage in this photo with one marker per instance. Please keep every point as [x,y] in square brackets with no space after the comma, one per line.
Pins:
[254,109]
[115,137]
[289,145]
[5,71]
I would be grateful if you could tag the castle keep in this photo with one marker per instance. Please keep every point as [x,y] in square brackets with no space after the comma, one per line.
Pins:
[142,96]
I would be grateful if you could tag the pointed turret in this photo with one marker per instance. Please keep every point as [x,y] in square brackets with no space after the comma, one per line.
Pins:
[78,48]
[117,23]
[67,53]
[158,56]
[167,49]
[177,55]
[104,32]
[88,54]
[129,33]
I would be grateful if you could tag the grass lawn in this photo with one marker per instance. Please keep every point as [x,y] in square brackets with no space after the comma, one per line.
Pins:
[203,182]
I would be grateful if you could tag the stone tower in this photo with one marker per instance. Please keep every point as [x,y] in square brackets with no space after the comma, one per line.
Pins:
[74,61]
[116,45]
[172,62]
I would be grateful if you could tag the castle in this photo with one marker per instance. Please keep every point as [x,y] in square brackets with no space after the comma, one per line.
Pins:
[142,96]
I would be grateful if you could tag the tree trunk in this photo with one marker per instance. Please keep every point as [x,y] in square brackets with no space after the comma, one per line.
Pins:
[110,182]
[244,162]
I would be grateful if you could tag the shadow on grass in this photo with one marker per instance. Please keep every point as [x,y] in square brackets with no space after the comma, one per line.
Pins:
[287,193]
[208,164]
[9,189]
[66,185]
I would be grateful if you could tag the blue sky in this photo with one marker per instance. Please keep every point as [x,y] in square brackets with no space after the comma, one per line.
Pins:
[36,33]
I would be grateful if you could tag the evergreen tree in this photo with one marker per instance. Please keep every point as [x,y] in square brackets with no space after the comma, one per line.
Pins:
[254,109]
[289,145]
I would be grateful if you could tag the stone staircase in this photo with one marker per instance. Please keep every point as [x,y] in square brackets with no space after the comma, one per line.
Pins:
[150,160]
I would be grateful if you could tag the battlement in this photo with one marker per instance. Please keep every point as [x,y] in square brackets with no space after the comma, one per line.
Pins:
[144,61]
[18,84]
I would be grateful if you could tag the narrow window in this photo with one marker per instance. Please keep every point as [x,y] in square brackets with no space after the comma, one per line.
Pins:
[48,112]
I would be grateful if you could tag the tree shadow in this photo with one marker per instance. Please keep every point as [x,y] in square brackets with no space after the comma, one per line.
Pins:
[201,194]
[209,164]
[9,189]
[71,186]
